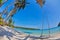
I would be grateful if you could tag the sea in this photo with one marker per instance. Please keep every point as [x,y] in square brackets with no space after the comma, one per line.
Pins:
[39,32]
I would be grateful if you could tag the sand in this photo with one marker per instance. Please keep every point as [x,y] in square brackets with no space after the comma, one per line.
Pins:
[7,33]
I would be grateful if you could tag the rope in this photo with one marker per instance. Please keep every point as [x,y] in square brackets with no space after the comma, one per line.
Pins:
[48,25]
[43,23]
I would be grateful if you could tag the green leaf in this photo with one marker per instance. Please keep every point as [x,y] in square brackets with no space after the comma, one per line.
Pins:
[0,1]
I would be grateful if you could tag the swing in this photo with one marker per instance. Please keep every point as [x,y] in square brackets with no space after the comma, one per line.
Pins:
[41,3]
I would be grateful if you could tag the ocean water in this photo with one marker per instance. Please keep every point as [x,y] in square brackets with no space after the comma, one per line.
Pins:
[38,32]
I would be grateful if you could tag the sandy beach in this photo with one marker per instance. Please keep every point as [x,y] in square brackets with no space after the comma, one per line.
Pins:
[7,33]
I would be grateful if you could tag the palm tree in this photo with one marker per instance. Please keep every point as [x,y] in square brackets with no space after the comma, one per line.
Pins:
[18,5]
[0,2]
[1,20]
[11,23]
[21,4]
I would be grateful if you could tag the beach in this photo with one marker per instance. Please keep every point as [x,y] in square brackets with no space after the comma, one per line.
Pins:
[7,33]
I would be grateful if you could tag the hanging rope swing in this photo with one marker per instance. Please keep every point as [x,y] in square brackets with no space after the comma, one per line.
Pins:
[41,3]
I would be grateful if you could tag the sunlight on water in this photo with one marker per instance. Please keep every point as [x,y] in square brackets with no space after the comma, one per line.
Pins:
[38,32]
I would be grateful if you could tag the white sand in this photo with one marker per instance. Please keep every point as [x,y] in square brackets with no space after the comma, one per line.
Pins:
[7,33]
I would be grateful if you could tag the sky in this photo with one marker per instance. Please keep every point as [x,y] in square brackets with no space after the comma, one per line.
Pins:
[33,16]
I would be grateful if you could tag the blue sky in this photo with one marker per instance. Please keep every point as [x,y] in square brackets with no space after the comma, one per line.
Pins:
[31,16]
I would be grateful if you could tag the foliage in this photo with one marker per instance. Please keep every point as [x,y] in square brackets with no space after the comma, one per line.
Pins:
[10,23]
[27,28]
[1,20]
[59,24]
[0,1]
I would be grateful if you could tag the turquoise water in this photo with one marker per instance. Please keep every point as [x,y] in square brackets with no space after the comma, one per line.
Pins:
[38,32]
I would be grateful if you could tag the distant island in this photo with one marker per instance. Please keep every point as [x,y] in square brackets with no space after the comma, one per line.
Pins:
[26,28]
[11,24]
[58,24]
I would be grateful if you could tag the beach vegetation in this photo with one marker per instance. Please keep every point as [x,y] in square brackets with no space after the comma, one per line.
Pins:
[11,23]
[59,24]
[1,20]
[27,28]
[0,1]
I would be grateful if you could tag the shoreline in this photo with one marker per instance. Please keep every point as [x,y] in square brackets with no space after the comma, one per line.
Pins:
[7,33]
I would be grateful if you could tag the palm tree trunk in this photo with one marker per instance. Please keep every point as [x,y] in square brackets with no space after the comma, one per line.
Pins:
[12,12]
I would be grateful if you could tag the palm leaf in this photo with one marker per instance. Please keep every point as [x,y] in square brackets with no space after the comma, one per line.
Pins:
[0,1]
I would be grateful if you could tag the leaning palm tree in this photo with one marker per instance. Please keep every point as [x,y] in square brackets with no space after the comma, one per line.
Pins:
[2,2]
[18,5]
[11,23]
[1,20]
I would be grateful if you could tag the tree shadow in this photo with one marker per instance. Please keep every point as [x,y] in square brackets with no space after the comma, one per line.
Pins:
[8,34]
